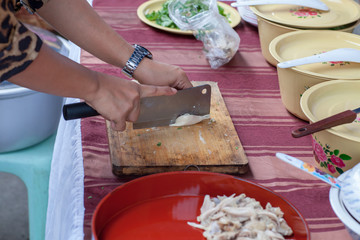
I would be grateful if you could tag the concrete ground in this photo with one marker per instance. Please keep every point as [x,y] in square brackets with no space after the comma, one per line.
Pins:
[13,208]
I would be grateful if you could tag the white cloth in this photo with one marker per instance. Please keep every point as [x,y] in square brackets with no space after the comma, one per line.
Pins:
[65,213]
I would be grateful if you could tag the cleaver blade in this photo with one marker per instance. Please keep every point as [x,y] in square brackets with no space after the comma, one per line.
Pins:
[164,110]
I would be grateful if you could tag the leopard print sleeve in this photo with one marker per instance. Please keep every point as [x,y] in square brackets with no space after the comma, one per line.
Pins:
[18,46]
[32,5]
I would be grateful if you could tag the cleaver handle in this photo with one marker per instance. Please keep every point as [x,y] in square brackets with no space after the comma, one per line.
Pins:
[78,110]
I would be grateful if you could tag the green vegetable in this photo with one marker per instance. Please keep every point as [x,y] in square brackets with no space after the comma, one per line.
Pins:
[158,144]
[192,7]
[161,17]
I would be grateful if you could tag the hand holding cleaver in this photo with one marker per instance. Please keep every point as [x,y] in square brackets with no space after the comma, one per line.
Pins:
[158,110]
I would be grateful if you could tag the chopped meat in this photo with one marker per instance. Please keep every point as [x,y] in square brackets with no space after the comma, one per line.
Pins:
[240,218]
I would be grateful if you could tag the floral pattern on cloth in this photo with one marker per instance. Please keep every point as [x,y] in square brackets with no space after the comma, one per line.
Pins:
[332,160]
[305,12]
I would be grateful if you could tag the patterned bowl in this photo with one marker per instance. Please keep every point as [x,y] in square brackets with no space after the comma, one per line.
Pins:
[294,81]
[336,150]
[277,19]
[269,30]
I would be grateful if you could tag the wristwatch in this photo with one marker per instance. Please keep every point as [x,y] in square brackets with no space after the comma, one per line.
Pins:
[135,59]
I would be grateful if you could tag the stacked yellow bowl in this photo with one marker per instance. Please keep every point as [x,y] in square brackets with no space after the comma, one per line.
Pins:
[277,19]
[294,81]
[336,150]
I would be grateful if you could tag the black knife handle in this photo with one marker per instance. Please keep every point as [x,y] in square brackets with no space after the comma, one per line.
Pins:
[78,110]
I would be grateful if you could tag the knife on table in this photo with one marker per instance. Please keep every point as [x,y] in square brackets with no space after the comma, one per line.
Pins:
[158,110]
[347,116]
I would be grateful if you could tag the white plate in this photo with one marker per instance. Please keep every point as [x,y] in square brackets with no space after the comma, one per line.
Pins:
[341,212]
[350,192]
[155,5]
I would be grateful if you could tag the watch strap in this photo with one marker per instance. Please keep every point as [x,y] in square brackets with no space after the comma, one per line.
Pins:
[137,56]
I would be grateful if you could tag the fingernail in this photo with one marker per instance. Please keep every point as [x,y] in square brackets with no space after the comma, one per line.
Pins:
[174,90]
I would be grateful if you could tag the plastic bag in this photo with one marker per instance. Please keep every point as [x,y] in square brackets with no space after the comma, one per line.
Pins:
[202,17]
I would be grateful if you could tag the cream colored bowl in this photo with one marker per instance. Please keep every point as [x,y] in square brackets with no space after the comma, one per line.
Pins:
[269,30]
[294,81]
[337,149]
[341,12]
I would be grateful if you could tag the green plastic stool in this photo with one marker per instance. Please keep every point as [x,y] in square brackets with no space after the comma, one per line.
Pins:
[32,166]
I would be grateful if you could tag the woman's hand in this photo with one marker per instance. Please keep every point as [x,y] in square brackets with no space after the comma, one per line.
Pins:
[161,74]
[63,15]
[118,100]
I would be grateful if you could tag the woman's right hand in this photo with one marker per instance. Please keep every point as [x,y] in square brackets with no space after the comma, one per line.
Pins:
[118,100]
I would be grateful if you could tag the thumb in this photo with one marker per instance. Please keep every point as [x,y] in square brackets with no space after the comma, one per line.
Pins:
[150,91]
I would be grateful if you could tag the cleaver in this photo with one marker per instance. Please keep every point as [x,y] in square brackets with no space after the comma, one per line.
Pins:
[158,110]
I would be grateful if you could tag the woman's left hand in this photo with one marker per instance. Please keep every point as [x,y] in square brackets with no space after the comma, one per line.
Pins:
[151,72]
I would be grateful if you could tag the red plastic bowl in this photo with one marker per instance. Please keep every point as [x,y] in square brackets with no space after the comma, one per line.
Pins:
[159,206]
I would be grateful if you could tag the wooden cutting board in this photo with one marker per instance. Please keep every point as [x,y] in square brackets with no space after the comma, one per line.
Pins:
[211,145]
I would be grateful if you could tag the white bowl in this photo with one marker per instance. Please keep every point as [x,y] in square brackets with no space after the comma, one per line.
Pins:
[247,15]
[342,213]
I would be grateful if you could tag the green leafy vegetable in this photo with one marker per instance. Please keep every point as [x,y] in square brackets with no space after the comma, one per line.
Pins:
[162,18]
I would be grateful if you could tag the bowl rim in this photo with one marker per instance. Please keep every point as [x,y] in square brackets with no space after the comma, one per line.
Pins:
[274,43]
[16,91]
[348,26]
[305,107]
[339,209]
[258,13]
[135,181]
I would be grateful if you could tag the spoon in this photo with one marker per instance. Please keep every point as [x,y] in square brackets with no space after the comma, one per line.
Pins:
[316,4]
[349,193]
[340,54]
[333,181]
[347,116]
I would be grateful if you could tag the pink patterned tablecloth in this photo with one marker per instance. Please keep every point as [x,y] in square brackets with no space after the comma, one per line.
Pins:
[249,86]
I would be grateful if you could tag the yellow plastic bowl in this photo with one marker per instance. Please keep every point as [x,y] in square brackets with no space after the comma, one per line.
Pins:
[277,19]
[293,82]
[269,30]
[336,150]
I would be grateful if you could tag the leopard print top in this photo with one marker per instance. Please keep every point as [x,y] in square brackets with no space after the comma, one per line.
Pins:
[18,45]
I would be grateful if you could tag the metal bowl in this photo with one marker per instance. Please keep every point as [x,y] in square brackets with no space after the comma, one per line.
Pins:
[29,117]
